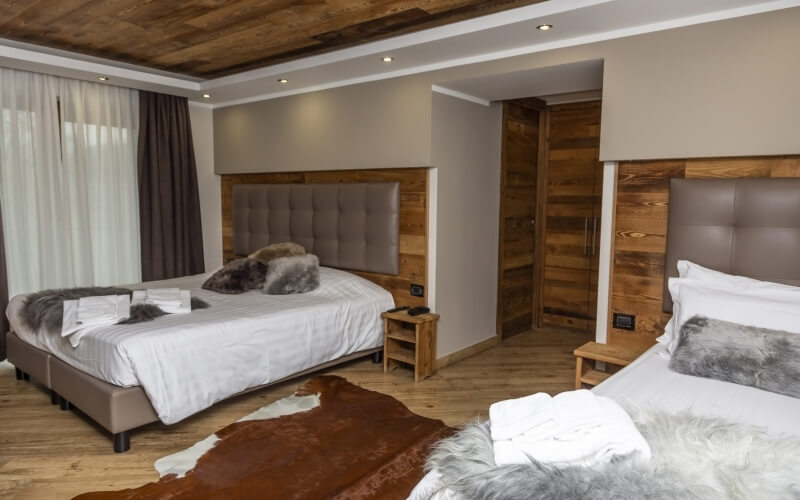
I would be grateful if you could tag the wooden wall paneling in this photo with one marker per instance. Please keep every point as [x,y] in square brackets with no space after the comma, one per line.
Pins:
[517,238]
[573,201]
[413,219]
[640,232]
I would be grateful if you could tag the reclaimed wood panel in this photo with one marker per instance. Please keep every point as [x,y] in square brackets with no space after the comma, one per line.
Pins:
[574,190]
[213,38]
[640,232]
[413,220]
[518,194]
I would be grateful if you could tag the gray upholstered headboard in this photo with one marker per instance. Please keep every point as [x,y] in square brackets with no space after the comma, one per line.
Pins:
[748,227]
[348,226]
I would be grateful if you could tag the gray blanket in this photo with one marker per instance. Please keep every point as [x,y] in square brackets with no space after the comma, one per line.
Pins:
[745,355]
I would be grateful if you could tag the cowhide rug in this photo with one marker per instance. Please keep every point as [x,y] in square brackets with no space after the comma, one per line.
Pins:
[354,444]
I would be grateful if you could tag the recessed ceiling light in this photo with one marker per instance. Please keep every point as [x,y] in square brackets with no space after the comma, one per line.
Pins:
[103,78]
[544,27]
[206,96]
[387,59]
[283,80]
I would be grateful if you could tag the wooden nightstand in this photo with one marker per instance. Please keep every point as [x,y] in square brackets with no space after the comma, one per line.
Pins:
[410,340]
[614,355]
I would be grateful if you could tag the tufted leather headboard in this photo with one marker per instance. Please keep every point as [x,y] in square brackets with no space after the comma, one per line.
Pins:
[748,227]
[348,226]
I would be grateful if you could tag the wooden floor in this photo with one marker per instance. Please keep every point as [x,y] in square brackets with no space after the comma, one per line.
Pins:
[46,453]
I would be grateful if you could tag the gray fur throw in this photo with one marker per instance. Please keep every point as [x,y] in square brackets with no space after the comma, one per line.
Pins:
[237,276]
[745,355]
[45,309]
[693,457]
[297,274]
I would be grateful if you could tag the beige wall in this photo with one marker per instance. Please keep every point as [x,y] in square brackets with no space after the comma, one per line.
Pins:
[208,184]
[372,125]
[727,88]
[465,148]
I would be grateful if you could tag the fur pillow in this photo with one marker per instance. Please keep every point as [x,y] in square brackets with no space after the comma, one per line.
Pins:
[746,355]
[297,274]
[276,251]
[237,276]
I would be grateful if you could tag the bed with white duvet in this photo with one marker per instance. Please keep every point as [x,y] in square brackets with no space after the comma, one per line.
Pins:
[187,362]
[724,439]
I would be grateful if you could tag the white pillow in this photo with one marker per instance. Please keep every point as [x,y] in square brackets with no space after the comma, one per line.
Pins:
[779,310]
[717,279]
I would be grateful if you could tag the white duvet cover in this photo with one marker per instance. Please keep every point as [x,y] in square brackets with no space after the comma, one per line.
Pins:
[649,382]
[187,362]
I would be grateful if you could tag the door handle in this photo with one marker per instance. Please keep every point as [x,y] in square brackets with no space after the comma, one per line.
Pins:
[594,233]
[585,233]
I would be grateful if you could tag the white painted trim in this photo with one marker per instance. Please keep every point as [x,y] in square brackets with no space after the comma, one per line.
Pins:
[382,47]
[460,95]
[604,258]
[73,63]
[433,187]
[205,105]
[529,49]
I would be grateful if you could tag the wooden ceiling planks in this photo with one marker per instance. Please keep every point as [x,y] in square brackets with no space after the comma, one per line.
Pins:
[213,38]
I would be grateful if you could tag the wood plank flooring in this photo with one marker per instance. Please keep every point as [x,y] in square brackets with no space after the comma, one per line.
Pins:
[49,454]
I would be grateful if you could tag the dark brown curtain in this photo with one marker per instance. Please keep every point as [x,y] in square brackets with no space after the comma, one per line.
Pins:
[3,292]
[169,203]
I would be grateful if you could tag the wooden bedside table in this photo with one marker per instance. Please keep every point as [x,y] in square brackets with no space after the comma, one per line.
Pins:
[410,340]
[613,355]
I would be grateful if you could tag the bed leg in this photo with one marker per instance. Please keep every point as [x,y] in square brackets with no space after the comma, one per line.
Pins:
[65,405]
[377,357]
[18,372]
[53,397]
[122,441]
[25,376]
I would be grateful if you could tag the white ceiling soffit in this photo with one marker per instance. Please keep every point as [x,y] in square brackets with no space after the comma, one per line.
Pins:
[564,78]
[504,34]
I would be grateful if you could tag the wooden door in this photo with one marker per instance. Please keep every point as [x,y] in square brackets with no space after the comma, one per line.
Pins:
[522,123]
[569,295]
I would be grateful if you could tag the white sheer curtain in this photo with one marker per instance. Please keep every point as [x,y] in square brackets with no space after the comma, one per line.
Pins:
[68,182]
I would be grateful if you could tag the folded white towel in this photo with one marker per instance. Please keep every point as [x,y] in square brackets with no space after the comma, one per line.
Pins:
[97,309]
[589,430]
[182,306]
[512,417]
[75,330]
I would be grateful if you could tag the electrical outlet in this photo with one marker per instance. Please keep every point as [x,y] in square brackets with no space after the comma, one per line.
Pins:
[417,290]
[624,321]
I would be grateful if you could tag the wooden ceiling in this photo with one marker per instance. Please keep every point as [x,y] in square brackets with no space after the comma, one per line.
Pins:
[213,38]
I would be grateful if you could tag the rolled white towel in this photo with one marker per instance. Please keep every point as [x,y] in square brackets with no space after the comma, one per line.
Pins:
[512,417]
[170,297]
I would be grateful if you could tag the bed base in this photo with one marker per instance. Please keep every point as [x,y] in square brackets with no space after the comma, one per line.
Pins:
[117,409]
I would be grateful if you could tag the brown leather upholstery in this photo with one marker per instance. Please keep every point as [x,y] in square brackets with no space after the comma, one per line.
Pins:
[349,226]
[747,227]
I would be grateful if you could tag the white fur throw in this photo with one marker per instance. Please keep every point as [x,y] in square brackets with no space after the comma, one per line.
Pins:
[693,457]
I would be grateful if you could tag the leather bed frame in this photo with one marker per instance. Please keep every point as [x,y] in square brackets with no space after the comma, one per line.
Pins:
[348,226]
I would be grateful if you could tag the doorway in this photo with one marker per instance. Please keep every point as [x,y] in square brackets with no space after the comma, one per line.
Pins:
[551,188]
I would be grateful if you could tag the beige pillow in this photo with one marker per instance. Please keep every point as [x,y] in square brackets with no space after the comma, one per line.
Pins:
[277,250]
